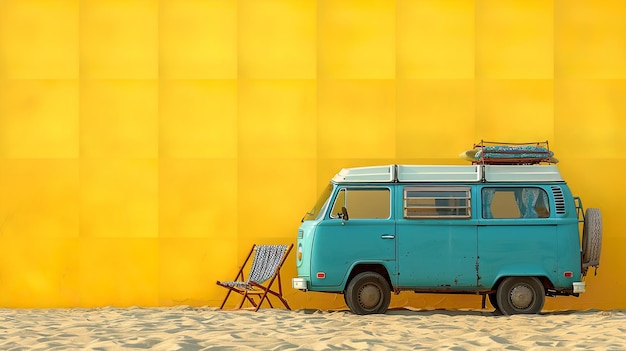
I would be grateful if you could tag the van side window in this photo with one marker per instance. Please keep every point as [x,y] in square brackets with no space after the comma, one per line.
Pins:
[515,203]
[363,203]
[437,202]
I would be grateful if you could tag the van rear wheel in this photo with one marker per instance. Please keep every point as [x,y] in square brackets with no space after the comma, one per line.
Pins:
[368,293]
[520,295]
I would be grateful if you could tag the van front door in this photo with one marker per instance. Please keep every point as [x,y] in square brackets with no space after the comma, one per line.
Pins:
[359,229]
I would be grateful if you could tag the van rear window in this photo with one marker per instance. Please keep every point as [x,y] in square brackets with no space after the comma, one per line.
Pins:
[437,202]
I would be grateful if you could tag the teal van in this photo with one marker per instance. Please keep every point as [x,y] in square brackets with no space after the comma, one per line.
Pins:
[512,233]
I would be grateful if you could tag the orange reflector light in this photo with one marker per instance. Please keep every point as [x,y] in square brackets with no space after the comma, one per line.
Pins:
[568,274]
[321,275]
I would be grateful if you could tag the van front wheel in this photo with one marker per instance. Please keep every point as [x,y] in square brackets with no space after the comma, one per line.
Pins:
[520,295]
[368,293]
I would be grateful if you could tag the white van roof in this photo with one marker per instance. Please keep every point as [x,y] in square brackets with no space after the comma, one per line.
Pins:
[429,173]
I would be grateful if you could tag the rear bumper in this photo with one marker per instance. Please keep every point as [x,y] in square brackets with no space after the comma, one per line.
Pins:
[299,283]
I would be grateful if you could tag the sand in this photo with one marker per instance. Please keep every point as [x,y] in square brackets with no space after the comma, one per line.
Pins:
[207,328]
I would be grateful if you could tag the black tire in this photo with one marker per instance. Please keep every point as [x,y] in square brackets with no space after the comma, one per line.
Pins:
[345,298]
[368,293]
[493,300]
[520,295]
[592,237]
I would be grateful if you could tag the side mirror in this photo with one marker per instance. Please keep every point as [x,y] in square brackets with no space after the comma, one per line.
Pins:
[344,213]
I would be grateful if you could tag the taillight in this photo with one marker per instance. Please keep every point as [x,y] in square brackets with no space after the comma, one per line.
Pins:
[299,252]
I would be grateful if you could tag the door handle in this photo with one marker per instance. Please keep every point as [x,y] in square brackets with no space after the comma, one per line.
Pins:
[387,236]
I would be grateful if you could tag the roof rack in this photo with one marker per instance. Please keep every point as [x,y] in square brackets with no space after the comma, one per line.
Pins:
[503,153]
[448,173]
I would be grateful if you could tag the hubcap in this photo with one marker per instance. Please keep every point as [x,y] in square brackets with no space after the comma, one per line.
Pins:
[369,296]
[522,296]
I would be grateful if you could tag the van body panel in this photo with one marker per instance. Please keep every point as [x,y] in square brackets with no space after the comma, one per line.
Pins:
[339,245]
[450,245]
[516,248]
[568,243]
[306,233]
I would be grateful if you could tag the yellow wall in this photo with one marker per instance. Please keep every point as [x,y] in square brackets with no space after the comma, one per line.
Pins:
[145,145]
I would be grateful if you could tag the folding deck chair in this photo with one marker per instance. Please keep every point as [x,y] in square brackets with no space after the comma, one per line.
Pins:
[265,269]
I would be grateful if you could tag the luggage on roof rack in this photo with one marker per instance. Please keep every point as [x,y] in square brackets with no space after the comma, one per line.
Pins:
[503,153]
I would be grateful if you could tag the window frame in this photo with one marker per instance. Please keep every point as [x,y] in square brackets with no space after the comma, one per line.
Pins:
[512,188]
[331,205]
[430,188]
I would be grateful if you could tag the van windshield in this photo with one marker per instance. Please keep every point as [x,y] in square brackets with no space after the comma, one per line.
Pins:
[321,203]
